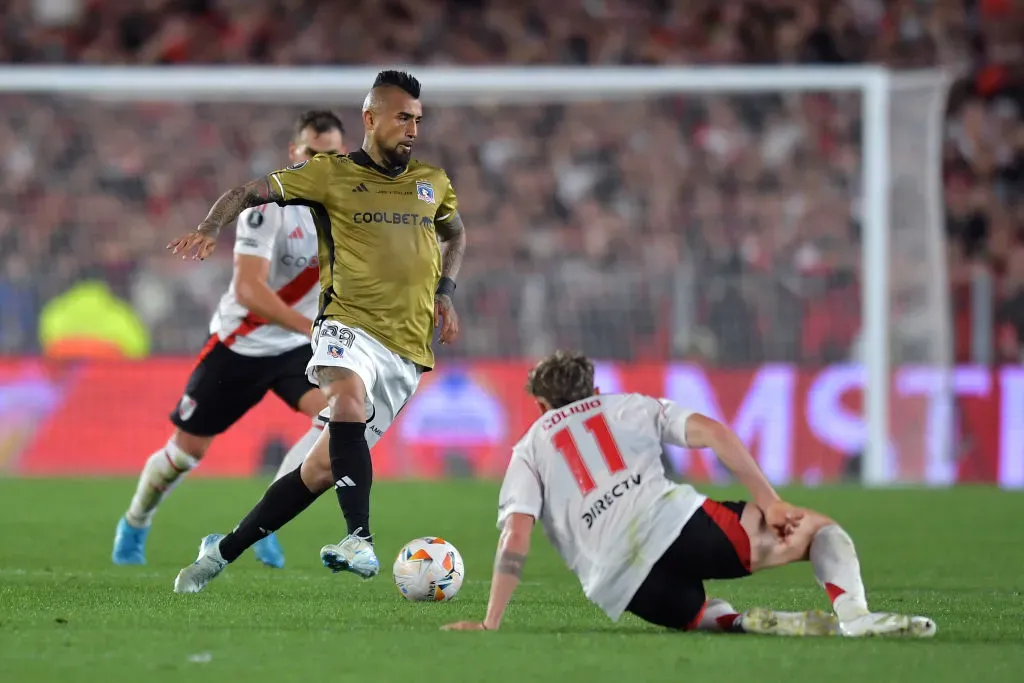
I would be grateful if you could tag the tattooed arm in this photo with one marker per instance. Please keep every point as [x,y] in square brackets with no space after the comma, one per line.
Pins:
[520,503]
[203,240]
[508,568]
[452,234]
[236,200]
[453,238]
[307,182]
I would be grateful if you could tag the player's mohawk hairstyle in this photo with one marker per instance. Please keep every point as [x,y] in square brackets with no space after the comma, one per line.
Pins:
[562,378]
[399,79]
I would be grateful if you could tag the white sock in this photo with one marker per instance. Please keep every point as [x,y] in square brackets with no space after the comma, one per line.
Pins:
[297,453]
[718,616]
[837,569]
[163,469]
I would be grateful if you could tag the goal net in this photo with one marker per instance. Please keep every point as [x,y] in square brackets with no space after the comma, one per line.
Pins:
[760,244]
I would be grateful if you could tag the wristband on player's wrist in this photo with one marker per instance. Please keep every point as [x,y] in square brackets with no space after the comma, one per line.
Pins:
[446,286]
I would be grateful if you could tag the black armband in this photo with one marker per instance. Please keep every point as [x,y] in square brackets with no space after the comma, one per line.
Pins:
[445,286]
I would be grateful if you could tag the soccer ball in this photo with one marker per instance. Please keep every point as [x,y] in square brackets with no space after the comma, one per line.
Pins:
[428,569]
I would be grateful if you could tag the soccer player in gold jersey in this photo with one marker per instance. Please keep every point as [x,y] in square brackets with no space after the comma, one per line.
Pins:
[385,287]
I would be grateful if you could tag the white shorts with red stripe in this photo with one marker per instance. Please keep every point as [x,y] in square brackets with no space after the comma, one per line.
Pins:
[390,380]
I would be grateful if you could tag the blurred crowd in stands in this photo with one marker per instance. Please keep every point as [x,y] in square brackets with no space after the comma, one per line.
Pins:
[721,228]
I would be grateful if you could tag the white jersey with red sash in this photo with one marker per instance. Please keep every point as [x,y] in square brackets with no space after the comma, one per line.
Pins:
[285,236]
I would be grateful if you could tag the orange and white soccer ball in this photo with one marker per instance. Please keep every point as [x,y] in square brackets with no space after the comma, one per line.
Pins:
[428,569]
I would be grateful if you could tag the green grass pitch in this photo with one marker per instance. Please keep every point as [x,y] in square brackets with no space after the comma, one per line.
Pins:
[67,614]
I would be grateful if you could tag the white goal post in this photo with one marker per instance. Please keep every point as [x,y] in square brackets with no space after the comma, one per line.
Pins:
[520,85]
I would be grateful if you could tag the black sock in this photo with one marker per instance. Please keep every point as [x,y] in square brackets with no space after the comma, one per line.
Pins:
[283,501]
[353,473]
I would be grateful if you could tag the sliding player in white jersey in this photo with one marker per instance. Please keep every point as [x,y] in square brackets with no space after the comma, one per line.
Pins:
[590,470]
[260,342]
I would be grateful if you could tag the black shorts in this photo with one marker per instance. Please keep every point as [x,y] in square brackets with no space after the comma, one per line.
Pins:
[712,545]
[224,385]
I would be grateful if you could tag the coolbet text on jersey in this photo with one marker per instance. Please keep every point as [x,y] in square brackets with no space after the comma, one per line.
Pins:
[591,472]
[379,256]
[285,236]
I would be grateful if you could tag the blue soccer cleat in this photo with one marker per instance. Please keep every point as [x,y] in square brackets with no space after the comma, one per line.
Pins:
[129,543]
[205,569]
[353,554]
[269,552]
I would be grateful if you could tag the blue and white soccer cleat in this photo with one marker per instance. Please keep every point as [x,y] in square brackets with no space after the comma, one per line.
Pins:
[207,566]
[269,552]
[129,543]
[354,554]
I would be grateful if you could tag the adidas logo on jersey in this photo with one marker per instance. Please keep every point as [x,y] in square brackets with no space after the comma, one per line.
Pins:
[296,234]
[343,482]
[361,187]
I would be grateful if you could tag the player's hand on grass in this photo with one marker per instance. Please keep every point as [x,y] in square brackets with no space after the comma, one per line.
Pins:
[783,518]
[465,626]
[446,317]
[199,243]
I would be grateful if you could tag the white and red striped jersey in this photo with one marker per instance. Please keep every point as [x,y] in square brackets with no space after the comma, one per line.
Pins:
[285,236]
[592,473]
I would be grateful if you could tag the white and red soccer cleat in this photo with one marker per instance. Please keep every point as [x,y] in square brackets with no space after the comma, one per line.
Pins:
[770,622]
[888,624]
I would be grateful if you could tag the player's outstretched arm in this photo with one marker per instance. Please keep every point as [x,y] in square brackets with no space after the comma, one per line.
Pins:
[703,432]
[201,242]
[513,547]
[452,234]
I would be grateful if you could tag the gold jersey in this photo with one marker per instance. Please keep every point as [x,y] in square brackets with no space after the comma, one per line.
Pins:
[379,256]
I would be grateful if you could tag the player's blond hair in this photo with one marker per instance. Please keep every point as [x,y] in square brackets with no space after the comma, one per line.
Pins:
[562,378]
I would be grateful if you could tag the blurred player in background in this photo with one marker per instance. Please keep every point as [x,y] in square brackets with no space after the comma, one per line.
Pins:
[590,469]
[260,341]
[385,287]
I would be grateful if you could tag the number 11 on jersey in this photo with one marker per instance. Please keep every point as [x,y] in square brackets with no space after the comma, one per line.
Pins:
[566,444]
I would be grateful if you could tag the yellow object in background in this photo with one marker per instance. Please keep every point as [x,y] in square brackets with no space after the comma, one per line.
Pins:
[89,321]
